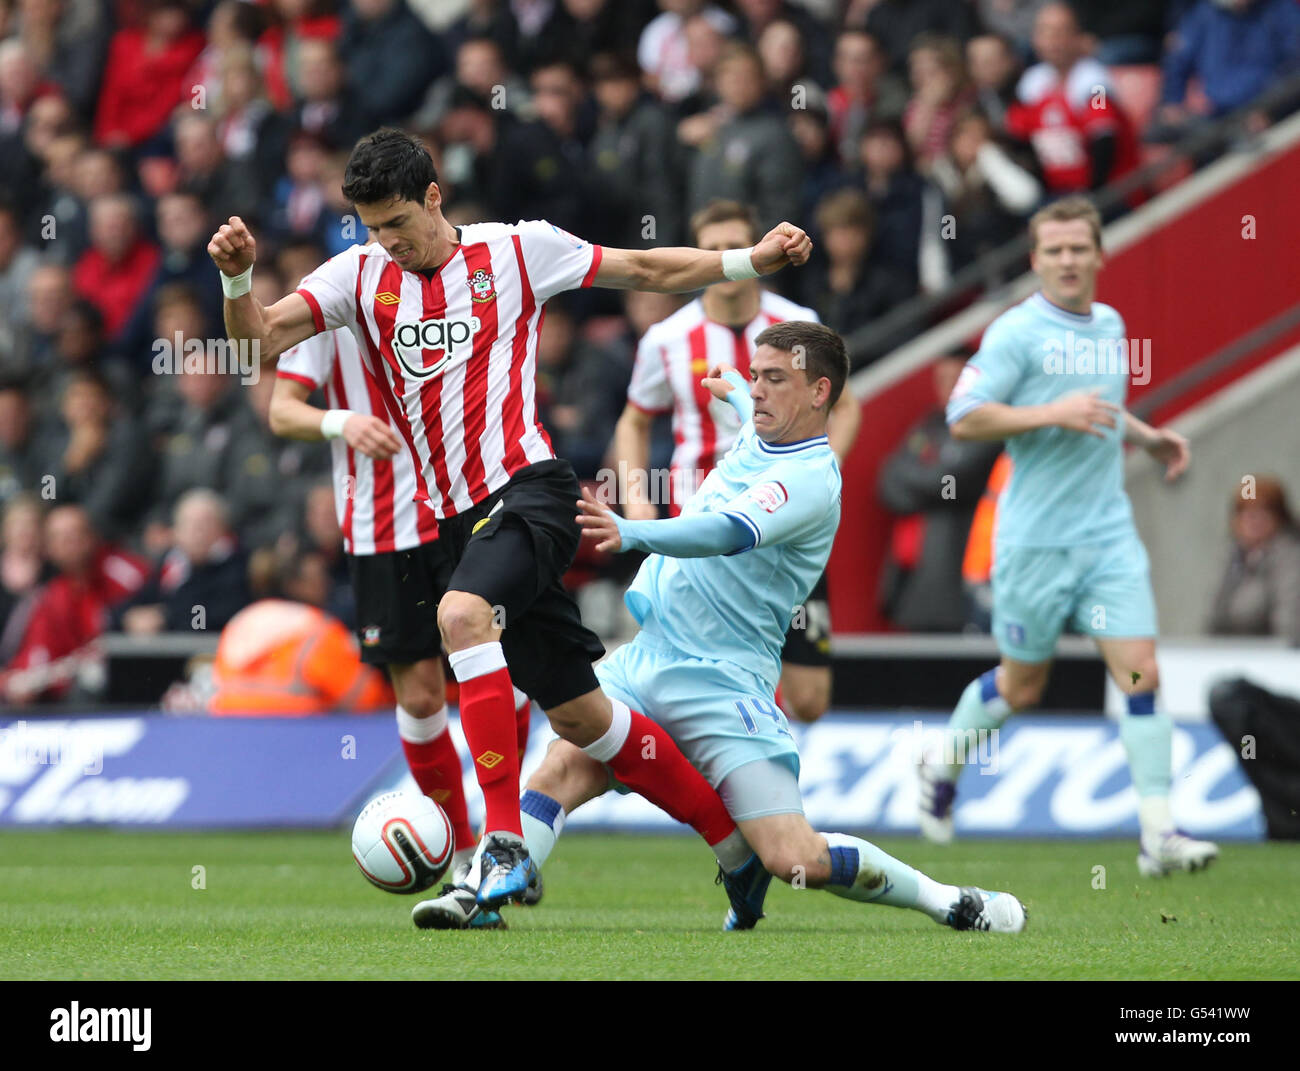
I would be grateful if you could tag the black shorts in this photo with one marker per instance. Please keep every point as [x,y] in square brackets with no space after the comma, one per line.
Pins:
[397,603]
[808,640]
[512,550]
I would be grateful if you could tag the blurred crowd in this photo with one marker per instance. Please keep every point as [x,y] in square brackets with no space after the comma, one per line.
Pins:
[909,137]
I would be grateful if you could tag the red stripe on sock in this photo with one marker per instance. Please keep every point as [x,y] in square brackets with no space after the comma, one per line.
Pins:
[436,769]
[652,765]
[487,714]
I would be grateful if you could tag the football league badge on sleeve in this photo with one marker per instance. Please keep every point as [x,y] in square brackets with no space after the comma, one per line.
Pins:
[769,496]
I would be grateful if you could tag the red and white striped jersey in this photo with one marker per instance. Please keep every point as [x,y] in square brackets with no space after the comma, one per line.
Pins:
[375,500]
[673,357]
[454,349]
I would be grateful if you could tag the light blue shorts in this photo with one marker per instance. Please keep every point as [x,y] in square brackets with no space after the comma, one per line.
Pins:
[721,716]
[1104,589]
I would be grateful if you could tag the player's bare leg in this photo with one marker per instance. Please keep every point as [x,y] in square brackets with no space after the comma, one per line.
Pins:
[805,691]
[1148,742]
[985,704]
[789,848]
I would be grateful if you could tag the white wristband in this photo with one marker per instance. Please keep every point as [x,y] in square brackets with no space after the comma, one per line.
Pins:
[738,264]
[236,286]
[331,424]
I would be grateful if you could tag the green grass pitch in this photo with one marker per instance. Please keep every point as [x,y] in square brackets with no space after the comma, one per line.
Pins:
[109,905]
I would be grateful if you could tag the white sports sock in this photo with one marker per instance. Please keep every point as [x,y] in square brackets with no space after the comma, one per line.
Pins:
[857,867]
[543,820]
[611,743]
[1155,816]
[421,730]
[732,851]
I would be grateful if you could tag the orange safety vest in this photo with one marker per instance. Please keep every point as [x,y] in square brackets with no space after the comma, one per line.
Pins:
[977,564]
[288,658]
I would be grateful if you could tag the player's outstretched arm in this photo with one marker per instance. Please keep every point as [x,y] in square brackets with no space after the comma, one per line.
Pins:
[694,535]
[1165,445]
[680,269]
[286,323]
[1085,412]
[292,417]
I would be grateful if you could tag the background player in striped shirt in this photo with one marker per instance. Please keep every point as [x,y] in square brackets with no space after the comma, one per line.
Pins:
[447,322]
[389,539]
[719,327]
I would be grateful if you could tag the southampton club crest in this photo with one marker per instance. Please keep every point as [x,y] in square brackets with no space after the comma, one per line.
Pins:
[482,285]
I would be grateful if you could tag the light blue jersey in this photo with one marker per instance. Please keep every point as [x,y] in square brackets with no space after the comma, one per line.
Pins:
[1067,487]
[737,608]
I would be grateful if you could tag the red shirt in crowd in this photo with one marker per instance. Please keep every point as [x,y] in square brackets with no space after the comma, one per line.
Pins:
[1060,118]
[141,88]
[115,288]
[70,612]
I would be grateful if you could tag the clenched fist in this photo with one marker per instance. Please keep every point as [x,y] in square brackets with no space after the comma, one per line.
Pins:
[232,248]
[783,244]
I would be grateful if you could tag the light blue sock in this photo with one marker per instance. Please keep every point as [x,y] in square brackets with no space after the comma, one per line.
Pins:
[1148,740]
[980,709]
[543,819]
[861,871]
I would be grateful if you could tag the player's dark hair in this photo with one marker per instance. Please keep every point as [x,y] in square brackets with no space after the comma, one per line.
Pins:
[719,211]
[388,163]
[821,349]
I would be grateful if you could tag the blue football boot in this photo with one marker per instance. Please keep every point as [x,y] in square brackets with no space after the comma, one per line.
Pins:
[746,888]
[505,872]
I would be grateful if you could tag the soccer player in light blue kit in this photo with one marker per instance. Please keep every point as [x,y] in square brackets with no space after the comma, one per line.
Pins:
[1051,378]
[714,600]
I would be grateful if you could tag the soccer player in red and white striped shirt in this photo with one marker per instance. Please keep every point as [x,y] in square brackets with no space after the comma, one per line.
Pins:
[716,329]
[389,538]
[447,322]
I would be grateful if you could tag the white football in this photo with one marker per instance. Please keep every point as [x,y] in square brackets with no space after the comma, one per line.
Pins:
[402,842]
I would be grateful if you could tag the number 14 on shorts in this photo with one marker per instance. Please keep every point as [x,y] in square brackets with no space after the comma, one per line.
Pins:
[755,707]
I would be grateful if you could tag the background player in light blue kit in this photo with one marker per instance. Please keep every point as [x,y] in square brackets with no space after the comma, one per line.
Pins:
[1051,378]
[714,600]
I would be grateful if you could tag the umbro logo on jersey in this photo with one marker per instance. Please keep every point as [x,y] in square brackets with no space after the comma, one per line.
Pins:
[387,297]
[411,339]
